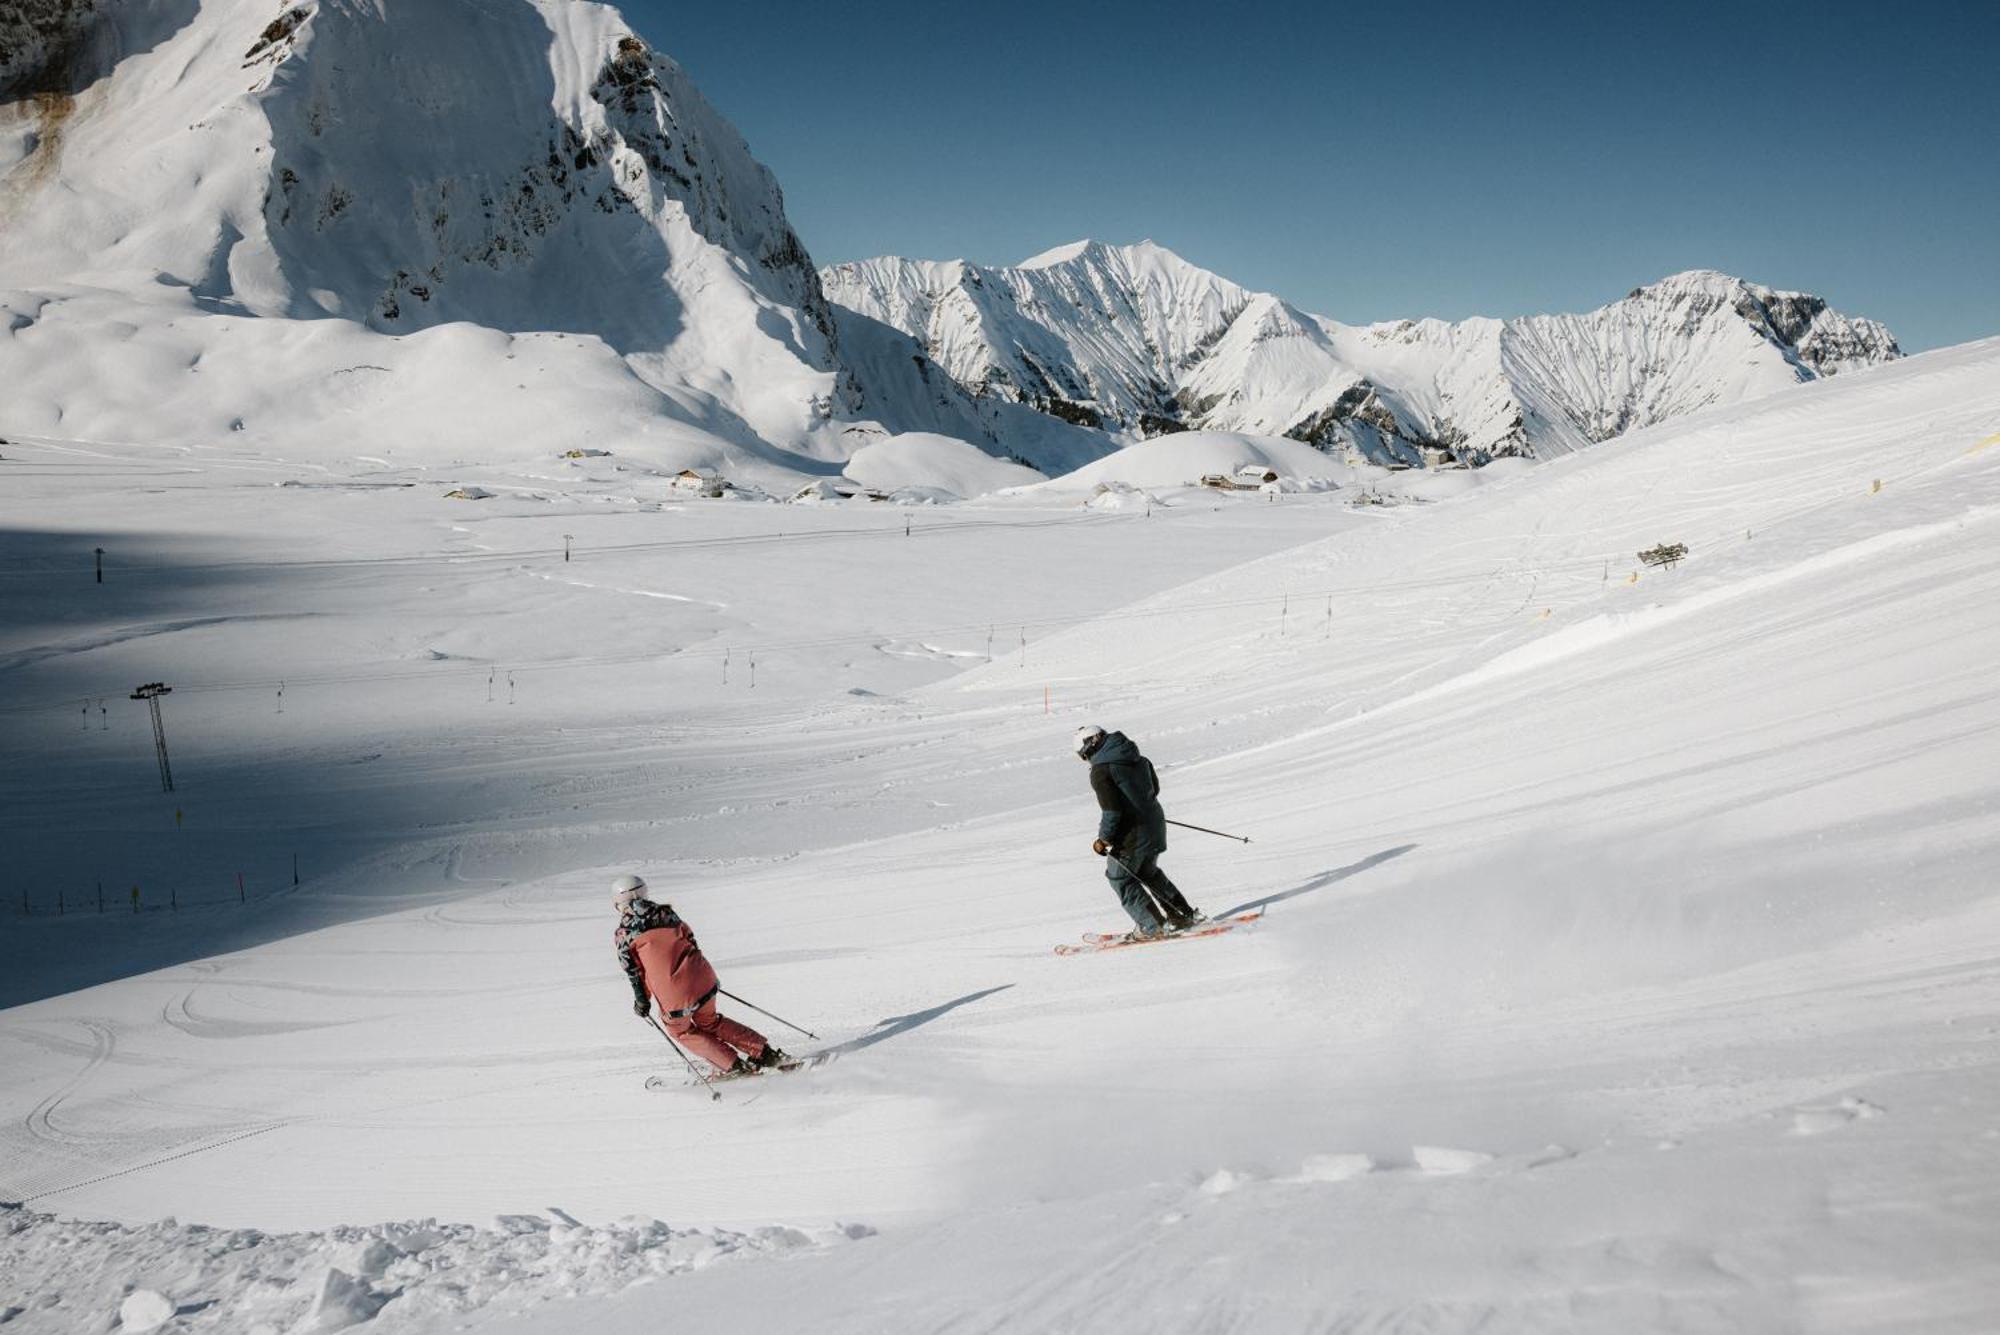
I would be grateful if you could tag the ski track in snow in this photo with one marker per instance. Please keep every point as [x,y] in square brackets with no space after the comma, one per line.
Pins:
[635,593]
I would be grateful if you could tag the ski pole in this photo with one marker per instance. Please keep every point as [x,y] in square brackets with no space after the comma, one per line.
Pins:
[1239,838]
[714,1094]
[1159,909]
[761,1011]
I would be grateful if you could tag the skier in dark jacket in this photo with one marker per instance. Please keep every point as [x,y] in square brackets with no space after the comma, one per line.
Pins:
[1132,832]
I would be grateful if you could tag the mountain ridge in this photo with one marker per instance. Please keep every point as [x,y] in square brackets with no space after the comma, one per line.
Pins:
[1136,338]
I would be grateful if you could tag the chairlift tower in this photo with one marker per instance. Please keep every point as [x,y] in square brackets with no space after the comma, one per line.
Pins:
[151,693]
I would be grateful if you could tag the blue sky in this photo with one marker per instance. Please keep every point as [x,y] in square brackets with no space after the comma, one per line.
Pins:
[1395,159]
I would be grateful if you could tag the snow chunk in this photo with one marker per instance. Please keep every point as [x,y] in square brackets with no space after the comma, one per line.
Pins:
[1334,1167]
[1223,1181]
[405,1273]
[1442,1162]
[1819,1121]
[145,1309]
[1121,496]
[343,1301]
[369,1258]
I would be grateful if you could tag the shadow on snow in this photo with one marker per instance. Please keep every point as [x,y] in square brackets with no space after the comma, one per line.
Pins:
[898,1025]
[1319,882]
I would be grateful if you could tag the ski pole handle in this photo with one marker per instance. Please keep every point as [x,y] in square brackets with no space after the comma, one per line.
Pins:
[1239,838]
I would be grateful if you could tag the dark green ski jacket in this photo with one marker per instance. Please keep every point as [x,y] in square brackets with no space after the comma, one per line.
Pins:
[1128,794]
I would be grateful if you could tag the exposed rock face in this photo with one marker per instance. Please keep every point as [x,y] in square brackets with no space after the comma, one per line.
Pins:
[1092,334]
[547,187]
[57,48]
[1141,340]
[38,42]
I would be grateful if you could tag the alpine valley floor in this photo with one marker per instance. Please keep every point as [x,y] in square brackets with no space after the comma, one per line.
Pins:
[1630,962]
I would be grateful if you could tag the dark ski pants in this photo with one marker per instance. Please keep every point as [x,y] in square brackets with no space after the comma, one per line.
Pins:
[1137,878]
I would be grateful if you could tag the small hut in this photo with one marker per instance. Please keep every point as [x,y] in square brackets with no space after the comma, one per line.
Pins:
[699,484]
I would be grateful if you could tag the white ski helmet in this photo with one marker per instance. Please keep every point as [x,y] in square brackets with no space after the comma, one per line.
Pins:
[626,891]
[1087,739]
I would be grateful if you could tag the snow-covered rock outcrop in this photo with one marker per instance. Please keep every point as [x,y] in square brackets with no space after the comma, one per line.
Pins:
[1137,338]
[523,165]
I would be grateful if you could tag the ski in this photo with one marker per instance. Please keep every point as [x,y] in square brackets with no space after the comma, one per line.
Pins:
[1094,942]
[660,1082]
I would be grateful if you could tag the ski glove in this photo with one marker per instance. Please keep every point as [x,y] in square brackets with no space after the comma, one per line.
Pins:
[1099,847]
[642,1006]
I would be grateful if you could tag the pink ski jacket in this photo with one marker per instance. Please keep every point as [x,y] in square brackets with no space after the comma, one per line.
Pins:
[661,956]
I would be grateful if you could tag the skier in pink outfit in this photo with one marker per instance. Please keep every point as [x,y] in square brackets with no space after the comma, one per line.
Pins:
[664,964]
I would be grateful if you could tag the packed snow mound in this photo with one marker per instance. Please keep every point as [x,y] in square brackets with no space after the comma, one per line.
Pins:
[1135,337]
[1183,458]
[922,459]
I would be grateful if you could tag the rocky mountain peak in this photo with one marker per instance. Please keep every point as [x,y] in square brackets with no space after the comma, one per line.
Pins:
[1136,338]
[1798,323]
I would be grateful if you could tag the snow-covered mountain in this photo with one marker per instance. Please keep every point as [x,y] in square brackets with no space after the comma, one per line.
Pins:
[515,226]
[513,221]
[1135,337]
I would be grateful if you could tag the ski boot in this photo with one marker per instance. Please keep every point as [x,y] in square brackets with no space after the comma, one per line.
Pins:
[773,1055]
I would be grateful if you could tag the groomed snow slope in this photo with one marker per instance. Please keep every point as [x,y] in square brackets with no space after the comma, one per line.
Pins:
[1631,955]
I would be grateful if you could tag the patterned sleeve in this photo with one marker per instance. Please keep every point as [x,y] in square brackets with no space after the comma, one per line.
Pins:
[629,962]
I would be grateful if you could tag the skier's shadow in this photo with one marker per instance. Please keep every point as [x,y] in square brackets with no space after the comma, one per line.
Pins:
[1319,882]
[897,1025]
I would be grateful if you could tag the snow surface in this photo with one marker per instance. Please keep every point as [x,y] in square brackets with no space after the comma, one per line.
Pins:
[1183,458]
[939,463]
[1631,956]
